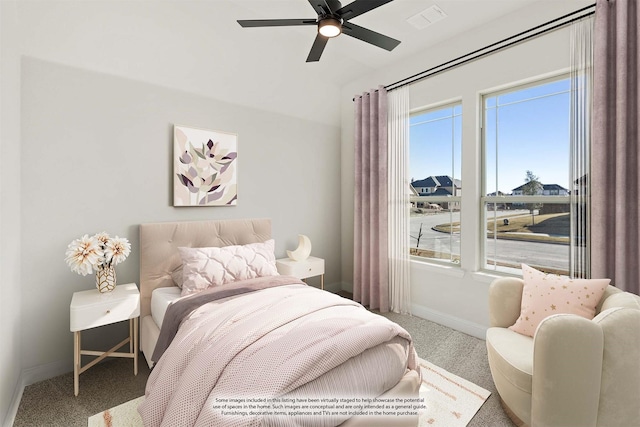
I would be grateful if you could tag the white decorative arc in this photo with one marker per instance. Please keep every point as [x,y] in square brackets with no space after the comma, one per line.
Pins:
[302,251]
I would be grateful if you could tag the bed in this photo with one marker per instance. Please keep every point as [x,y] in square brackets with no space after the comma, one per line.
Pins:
[176,383]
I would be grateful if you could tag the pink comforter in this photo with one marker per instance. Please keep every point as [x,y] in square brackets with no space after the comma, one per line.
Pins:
[265,343]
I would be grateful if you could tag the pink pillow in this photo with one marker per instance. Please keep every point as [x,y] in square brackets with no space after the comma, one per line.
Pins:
[547,294]
[203,268]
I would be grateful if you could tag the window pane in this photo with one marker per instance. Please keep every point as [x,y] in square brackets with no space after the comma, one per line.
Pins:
[435,165]
[435,234]
[539,238]
[526,154]
[528,130]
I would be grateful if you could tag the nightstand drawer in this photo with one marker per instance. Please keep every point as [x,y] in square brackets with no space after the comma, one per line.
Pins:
[301,269]
[90,309]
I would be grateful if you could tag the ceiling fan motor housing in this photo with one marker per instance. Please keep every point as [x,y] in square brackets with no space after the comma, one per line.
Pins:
[332,4]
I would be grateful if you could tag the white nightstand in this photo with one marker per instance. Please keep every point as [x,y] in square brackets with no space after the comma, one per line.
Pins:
[90,309]
[310,267]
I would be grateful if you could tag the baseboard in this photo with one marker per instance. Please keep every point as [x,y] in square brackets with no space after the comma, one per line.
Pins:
[333,287]
[15,402]
[31,376]
[347,287]
[46,371]
[470,328]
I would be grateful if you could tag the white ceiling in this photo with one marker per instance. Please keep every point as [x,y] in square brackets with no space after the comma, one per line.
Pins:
[389,19]
[199,47]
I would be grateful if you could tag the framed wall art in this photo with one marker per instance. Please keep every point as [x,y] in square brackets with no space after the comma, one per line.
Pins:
[205,167]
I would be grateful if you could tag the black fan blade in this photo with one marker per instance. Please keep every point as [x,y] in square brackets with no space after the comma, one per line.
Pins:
[275,22]
[320,6]
[369,36]
[318,47]
[359,7]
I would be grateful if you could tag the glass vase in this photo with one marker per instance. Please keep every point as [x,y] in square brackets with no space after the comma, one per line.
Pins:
[106,279]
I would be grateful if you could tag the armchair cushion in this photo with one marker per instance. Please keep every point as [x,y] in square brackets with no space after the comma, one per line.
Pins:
[511,361]
[514,356]
[546,294]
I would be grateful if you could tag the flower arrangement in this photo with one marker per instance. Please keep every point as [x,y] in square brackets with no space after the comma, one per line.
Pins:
[97,252]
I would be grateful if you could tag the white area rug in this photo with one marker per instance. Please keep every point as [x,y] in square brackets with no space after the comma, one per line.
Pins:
[451,402]
[125,415]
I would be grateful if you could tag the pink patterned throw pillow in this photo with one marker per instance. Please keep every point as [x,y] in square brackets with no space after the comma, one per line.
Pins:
[203,268]
[546,294]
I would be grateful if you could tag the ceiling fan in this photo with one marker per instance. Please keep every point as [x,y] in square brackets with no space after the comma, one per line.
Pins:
[333,20]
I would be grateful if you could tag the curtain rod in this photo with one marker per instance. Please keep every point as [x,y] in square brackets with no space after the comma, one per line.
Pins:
[504,43]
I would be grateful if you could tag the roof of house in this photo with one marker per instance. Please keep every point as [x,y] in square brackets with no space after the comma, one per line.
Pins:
[440,192]
[544,187]
[437,181]
[427,182]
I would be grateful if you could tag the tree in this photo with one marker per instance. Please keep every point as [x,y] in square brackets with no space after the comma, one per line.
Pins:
[532,187]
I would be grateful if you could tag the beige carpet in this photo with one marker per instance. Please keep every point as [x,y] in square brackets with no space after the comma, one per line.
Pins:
[451,401]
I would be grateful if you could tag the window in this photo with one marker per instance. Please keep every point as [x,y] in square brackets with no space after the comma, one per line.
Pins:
[435,140]
[526,164]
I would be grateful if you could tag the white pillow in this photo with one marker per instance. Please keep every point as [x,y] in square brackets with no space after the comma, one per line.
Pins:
[204,268]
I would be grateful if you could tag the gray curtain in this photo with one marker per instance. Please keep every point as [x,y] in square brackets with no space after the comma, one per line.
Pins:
[371,269]
[615,166]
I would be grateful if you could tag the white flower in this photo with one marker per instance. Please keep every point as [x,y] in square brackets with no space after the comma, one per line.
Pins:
[84,254]
[102,237]
[117,250]
[96,253]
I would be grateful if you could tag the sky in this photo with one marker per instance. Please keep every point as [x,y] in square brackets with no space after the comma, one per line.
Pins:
[525,129]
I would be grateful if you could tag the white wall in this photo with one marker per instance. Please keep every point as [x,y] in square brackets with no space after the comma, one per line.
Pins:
[458,296]
[10,245]
[85,151]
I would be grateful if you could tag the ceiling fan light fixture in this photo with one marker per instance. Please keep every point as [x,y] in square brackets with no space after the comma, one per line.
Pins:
[330,27]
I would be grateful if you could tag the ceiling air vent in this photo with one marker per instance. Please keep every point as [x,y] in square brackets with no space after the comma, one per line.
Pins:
[427,17]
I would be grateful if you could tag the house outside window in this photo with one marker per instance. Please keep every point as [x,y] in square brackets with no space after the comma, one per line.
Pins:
[435,141]
[526,189]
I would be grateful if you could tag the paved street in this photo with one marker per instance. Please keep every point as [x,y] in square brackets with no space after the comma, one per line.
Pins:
[504,251]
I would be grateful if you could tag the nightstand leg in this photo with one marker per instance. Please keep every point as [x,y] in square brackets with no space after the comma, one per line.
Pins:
[76,362]
[135,345]
[322,282]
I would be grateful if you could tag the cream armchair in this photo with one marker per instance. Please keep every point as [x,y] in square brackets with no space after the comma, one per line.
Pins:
[574,371]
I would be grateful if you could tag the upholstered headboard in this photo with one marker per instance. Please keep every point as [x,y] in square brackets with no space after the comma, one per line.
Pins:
[159,244]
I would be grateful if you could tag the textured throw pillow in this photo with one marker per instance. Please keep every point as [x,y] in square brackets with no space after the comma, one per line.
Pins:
[204,268]
[547,294]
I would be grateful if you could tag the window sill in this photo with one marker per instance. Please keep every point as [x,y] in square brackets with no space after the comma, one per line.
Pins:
[487,276]
[449,270]
[484,277]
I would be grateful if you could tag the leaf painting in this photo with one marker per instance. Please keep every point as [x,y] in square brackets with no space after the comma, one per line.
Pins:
[205,164]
